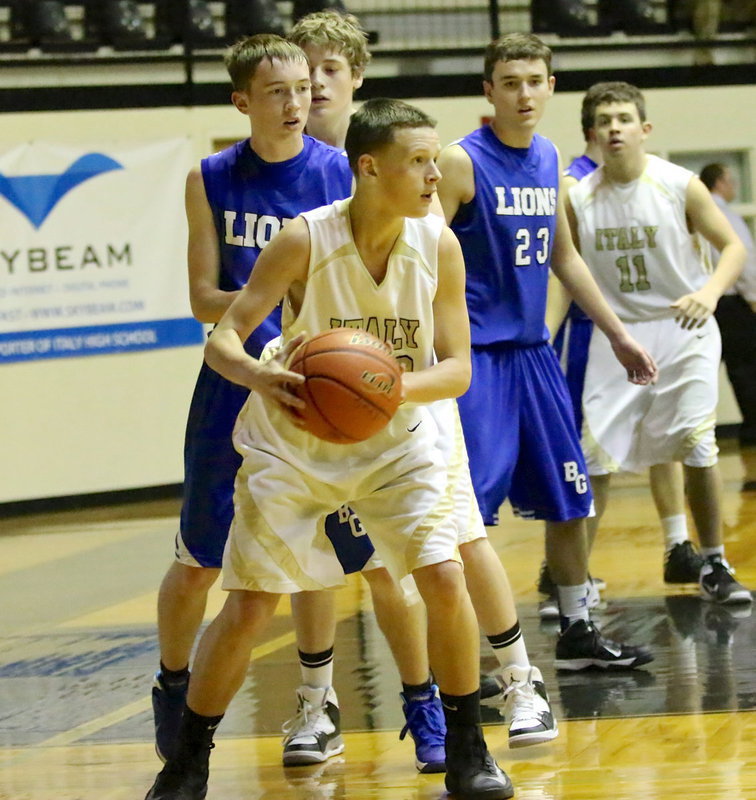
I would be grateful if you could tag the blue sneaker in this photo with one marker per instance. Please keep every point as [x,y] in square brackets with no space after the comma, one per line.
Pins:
[427,727]
[167,708]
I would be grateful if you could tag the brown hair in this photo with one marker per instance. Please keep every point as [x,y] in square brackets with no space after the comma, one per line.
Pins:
[372,126]
[243,58]
[515,47]
[711,173]
[618,92]
[588,107]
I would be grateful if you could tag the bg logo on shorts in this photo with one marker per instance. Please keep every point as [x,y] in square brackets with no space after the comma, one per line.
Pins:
[348,517]
[571,475]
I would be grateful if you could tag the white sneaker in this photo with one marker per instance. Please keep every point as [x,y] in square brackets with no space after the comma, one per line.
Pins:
[313,734]
[526,706]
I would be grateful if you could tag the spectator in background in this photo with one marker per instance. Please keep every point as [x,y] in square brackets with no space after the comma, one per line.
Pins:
[736,311]
[707,15]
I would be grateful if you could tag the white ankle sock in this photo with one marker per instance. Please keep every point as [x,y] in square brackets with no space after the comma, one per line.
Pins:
[675,530]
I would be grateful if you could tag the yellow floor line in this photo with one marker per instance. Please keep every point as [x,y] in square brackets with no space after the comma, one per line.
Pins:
[145,703]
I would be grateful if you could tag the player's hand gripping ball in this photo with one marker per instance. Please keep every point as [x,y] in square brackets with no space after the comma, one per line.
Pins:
[352,387]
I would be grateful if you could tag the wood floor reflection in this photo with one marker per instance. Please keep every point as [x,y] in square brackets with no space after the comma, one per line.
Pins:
[78,650]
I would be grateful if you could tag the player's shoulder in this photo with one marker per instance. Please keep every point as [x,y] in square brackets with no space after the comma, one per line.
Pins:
[225,158]
[322,150]
[658,166]
[584,192]
[666,174]
[337,211]
[421,233]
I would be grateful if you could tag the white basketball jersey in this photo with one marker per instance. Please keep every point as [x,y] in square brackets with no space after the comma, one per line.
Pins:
[635,239]
[340,292]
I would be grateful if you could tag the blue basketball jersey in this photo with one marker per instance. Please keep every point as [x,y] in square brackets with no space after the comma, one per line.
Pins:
[580,167]
[516,414]
[252,200]
[506,233]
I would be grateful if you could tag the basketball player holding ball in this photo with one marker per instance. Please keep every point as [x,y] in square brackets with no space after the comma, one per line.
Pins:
[378,255]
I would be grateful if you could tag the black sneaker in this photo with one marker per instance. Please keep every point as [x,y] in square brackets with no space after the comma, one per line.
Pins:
[168,703]
[182,779]
[718,583]
[490,689]
[545,583]
[582,646]
[682,564]
[471,772]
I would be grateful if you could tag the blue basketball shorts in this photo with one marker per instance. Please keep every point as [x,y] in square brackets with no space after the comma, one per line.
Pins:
[210,467]
[521,436]
[571,344]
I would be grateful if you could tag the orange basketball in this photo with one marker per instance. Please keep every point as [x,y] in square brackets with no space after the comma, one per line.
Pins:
[352,387]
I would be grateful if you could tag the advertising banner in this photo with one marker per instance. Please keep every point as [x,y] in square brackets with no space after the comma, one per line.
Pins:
[93,250]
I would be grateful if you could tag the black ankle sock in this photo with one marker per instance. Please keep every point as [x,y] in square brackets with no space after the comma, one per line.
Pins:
[461,709]
[174,677]
[197,731]
[412,690]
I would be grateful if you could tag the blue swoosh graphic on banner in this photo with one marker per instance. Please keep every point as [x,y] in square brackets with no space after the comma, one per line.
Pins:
[35,196]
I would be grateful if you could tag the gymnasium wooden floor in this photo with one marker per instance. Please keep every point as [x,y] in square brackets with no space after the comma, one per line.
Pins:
[78,651]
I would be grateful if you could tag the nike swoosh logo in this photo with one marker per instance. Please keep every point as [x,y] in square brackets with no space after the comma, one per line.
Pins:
[449,708]
[35,196]
[412,430]
[615,651]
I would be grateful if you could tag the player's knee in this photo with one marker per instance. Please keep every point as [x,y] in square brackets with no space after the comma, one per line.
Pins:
[442,586]
[249,610]
[190,580]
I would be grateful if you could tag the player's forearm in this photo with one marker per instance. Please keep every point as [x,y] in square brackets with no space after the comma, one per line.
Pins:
[209,305]
[225,353]
[448,378]
[584,290]
[728,268]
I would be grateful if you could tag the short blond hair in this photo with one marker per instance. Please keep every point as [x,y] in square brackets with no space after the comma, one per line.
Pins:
[335,31]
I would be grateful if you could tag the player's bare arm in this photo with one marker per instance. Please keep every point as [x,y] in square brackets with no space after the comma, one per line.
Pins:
[707,219]
[457,184]
[280,268]
[208,301]
[558,298]
[450,376]
[572,271]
